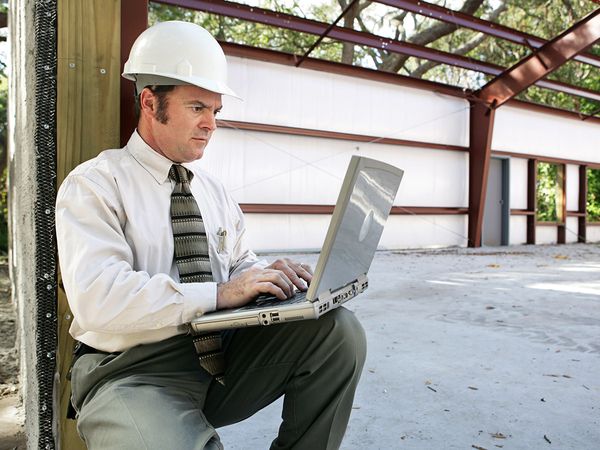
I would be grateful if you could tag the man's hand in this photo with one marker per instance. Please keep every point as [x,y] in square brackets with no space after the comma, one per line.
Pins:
[299,274]
[278,279]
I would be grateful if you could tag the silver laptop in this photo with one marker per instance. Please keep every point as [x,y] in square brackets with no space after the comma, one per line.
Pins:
[363,206]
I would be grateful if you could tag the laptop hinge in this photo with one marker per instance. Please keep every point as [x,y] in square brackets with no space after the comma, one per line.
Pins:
[346,292]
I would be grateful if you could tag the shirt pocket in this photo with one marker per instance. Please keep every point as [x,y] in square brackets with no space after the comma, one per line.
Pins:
[221,246]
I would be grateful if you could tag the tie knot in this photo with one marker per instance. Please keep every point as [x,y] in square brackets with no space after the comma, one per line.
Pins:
[180,174]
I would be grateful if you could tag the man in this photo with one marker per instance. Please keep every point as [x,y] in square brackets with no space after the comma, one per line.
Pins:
[137,382]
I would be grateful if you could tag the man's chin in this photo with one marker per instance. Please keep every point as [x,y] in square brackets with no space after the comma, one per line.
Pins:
[198,154]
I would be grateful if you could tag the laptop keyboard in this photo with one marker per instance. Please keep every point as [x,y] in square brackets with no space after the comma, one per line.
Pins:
[264,301]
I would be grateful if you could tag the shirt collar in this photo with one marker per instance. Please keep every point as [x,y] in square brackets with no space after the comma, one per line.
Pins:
[156,164]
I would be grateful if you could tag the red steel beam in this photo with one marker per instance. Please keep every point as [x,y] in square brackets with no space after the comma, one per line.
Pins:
[541,62]
[134,20]
[477,24]
[291,208]
[291,22]
[294,131]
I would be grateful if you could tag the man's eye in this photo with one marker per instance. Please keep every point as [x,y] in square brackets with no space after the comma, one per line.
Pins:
[217,112]
[197,108]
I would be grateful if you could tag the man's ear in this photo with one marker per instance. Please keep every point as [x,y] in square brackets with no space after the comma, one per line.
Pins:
[147,103]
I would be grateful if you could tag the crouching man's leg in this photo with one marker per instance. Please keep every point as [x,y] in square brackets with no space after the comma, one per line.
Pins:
[149,397]
[316,364]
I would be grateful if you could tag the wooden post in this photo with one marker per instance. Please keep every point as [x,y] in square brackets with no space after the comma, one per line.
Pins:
[87,123]
[134,20]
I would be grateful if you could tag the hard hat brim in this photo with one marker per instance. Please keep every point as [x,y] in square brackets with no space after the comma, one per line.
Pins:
[204,83]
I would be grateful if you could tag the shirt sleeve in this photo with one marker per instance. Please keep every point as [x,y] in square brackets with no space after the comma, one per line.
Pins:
[242,257]
[105,293]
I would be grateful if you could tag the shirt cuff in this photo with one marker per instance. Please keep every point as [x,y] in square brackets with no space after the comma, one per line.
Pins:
[198,299]
[260,264]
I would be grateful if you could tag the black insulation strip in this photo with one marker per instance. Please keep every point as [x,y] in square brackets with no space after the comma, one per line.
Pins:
[45,22]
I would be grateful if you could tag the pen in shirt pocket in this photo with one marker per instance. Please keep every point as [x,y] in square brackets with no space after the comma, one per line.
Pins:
[222,233]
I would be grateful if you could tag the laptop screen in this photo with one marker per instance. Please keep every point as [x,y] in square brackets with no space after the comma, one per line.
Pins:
[363,206]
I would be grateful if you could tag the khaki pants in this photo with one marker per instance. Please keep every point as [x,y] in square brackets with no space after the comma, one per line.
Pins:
[156,396]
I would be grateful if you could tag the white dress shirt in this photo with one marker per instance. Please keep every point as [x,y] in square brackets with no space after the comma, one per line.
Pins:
[115,246]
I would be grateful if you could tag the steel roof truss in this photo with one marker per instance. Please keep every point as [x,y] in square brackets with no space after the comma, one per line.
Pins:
[480,25]
[541,62]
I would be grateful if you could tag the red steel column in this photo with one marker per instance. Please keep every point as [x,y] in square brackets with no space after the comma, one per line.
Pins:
[481,128]
[561,233]
[531,200]
[134,20]
[583,187]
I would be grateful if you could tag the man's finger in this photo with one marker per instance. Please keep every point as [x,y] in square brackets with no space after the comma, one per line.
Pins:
[302,273]
[265,287]
[303,270]
[292,272]
[307,268]
[279,278]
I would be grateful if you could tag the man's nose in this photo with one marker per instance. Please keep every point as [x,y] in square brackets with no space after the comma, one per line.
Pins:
[209,121]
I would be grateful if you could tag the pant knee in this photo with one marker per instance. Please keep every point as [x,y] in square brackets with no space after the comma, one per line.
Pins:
[349,335]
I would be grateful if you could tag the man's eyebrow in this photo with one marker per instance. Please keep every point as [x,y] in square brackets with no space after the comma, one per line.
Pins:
[196,102]
[199,103]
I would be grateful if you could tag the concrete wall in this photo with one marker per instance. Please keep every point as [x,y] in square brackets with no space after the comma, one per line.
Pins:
[22,198]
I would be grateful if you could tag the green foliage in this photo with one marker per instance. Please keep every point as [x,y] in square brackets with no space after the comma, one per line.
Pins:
[548,192]
[593,195]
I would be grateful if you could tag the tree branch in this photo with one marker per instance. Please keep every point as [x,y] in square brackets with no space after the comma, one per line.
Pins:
[464,49]
[394,62]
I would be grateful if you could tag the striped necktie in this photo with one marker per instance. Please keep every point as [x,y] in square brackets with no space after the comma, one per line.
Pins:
[193,260]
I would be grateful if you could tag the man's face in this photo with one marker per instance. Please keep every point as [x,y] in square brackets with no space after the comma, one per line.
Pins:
[190,122]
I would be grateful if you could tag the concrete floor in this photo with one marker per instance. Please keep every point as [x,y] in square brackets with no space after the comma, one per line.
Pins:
[468,348]
[472,348]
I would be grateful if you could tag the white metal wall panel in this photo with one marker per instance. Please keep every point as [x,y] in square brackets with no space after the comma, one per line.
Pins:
[424,231]
[592,233]
[296,97]
[267,232]
[524,131]
[517,233]
[572,187]
[572,231]
[546,235]
[518,183]
[259,167]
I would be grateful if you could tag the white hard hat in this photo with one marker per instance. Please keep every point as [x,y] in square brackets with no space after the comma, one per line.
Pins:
[176,52]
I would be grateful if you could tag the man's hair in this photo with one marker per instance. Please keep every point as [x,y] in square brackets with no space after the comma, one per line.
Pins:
[160,91]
